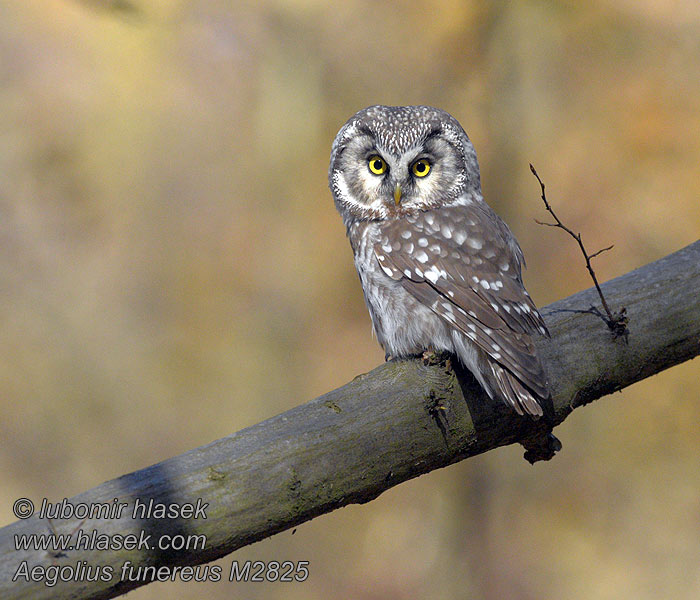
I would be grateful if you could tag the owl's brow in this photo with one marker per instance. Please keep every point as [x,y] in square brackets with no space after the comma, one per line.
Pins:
[365,130]
[358,133]
[436,130]
[431,133]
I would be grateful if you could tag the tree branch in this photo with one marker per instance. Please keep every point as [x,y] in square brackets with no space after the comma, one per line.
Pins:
[400,420]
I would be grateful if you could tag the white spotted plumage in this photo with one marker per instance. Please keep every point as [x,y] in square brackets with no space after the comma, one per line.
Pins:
[439,269]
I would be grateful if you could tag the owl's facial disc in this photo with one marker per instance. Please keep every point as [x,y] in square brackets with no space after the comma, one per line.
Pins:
[384,173]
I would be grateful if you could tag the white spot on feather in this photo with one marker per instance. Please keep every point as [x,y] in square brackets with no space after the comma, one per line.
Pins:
[433,274]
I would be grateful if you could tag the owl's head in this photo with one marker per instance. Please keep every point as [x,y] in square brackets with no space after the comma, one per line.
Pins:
[390,161]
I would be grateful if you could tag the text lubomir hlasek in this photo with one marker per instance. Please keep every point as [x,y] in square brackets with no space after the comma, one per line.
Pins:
[115,509]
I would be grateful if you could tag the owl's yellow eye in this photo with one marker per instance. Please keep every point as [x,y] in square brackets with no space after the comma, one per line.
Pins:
[377,165]
[421,168]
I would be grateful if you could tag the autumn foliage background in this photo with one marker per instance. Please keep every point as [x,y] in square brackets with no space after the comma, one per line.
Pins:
[172,267]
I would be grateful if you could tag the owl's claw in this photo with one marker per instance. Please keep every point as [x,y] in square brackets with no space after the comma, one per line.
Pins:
[429,357]
[434,357]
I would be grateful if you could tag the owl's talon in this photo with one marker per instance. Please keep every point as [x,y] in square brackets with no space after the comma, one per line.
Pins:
[429,357]
[435,357]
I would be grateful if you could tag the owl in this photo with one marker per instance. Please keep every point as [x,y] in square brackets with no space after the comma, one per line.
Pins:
[440,271]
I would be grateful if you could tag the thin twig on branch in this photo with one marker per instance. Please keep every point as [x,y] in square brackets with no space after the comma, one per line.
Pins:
[616,321]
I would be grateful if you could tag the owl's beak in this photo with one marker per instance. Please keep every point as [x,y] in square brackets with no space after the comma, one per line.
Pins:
[397,194]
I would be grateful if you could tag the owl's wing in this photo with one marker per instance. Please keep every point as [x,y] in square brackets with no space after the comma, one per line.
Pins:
[465,265]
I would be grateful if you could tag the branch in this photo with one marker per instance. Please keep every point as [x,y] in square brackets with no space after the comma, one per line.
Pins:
[400,420]
[616,322]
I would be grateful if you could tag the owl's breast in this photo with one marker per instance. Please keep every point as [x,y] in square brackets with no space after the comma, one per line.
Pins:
[403,325]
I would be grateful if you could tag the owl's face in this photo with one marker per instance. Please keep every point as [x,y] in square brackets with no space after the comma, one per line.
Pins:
[391,161]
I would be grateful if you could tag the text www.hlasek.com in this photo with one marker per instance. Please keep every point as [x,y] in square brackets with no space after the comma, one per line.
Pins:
[93,540]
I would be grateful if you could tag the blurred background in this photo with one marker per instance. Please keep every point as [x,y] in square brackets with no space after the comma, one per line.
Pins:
[172,267]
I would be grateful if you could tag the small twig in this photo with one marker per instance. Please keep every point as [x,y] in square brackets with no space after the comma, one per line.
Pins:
[601,251]
[617,322]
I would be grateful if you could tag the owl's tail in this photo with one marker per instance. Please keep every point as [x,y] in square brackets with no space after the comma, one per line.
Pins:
[515,393]
[497,381]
